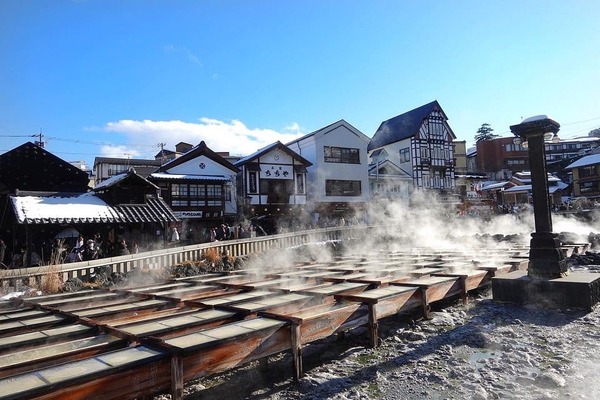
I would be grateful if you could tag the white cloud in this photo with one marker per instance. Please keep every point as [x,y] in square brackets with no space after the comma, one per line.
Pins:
[234,137]
[119,151]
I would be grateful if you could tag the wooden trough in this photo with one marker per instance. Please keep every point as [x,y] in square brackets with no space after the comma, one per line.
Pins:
[137,342]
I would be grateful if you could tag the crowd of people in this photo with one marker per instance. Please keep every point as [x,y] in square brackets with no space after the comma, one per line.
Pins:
[71,249]
[66,250]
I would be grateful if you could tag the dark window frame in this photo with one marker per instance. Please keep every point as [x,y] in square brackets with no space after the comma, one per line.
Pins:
[341,155]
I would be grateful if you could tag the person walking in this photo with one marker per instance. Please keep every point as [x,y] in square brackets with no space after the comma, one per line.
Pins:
[175,235]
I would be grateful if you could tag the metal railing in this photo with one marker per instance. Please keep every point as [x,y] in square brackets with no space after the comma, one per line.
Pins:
[14,279]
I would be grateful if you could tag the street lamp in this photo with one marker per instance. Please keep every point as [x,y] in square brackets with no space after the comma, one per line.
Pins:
[546,259]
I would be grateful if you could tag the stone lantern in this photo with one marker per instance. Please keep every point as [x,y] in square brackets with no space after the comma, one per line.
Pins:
[546,259]
[547,280]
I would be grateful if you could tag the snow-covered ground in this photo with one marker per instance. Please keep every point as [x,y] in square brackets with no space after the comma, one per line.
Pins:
[484,350]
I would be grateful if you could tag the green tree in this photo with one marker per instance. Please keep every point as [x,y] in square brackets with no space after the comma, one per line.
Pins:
[485,133]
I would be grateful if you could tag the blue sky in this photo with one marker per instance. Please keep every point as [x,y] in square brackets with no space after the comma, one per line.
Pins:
[116,78]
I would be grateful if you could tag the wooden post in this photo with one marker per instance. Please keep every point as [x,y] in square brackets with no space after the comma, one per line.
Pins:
[176,377]
[425,303]
[297,351]
[373,325]
[465,293]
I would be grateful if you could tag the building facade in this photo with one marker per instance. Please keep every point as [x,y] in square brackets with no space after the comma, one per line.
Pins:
[272,181]
[107,167]
[586,176]
[200,187]
[420,142]
[338,180]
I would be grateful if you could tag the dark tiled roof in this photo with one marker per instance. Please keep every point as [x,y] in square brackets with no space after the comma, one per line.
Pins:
[88,208]
[200,150]
[402,126]
[30,167]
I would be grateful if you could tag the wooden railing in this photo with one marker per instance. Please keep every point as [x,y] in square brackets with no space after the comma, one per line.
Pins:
[14,279]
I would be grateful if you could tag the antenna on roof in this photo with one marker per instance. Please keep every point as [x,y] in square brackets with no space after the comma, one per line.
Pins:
[162,152]
[39,142]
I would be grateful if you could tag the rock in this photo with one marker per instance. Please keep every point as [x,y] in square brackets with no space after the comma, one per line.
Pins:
[550,380]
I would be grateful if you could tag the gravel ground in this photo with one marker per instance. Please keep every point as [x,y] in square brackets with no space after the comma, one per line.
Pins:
[484,350]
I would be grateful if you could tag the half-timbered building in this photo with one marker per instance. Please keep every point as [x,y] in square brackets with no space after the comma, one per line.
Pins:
[420,143]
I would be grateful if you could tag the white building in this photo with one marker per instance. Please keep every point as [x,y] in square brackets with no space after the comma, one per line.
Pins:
[272,181]
[338,180]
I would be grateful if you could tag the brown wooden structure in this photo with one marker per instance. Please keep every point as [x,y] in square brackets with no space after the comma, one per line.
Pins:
[137,342]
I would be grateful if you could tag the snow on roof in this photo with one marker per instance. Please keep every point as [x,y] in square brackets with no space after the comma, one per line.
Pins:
[585,161]
[164,175]
[494,186]
[111,181]
[527,188]
[86,207]
[535,118]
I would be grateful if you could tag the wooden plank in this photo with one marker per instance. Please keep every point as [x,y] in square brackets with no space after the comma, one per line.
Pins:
[349,287]
[122,374]
[437,287]
[176,324]
[235,330]
[28,325]
[37,338]
[221,355]
[235,298]
[20,361]
[276,303]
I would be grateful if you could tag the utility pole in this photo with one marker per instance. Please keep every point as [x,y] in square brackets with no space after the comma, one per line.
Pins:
[162,152]
[39,142]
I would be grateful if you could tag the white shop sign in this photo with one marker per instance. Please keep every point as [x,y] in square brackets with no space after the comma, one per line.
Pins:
[188,214]
[275,171]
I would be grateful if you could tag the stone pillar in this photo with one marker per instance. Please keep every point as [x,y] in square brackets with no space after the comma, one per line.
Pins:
[546,259]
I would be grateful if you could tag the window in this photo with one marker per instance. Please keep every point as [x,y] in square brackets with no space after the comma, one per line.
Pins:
[341,155]
[405,154]
[300,184]
[589,170]
[196,195]
[436,128]
[589,187]
[515,162]
[515,147]
[342,188]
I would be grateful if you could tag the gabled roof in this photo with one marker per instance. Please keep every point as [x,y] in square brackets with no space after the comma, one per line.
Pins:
[87,208]
[378,152]
[127,161]
[164,153]
[388,165]
[198,151]
[30,167]
[266,149]
[329,128]
[592,159]
[116,179]
[403,126]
